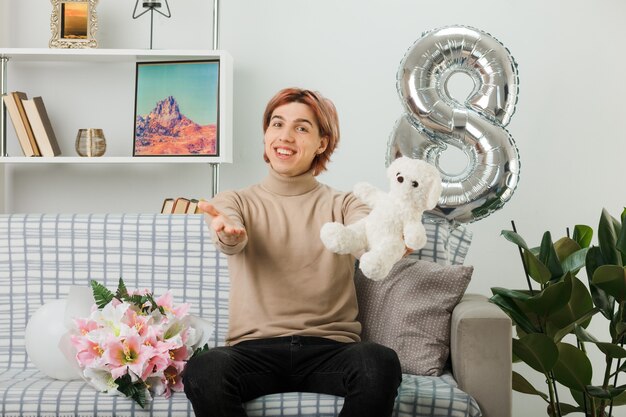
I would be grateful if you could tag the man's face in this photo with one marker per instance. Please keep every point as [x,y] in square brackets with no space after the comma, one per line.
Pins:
[292,139]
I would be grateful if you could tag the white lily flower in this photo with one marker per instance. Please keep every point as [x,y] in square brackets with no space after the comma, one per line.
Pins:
[111,316]
[101,380]
[200,332]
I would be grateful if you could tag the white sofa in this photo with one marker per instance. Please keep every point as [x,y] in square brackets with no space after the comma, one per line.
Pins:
[41,256]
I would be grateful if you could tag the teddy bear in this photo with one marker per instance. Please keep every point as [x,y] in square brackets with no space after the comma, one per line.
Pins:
[395,221]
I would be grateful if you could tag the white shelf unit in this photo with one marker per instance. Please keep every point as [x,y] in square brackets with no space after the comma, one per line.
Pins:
[108,160]
[9,56]
[36,61]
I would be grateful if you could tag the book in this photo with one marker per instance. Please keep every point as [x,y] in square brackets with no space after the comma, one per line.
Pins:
[41,126]
[18,124]
[193,206]
[19,98]
[168,205]
[180,205]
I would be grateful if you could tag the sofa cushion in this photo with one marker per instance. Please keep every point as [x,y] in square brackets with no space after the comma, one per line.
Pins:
[410,310]
[29,393]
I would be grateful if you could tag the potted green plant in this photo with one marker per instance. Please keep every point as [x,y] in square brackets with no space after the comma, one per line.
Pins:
[552,314]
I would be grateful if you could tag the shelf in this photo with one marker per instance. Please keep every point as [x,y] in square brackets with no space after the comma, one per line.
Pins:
[109,160]
[104,55]
[28,56]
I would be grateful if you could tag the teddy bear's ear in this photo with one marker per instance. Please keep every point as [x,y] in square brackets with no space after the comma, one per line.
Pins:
[435,190]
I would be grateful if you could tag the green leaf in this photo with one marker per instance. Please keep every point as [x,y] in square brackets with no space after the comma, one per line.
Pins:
[520,384]
[137,299]
[578,305]
[573,368]
[601,299]
[200,351]
[568,409]
[609,349]
[575,261]
[583,235]
[579,397]
[583,321]
[101,294]
[605,394]
[516,314]
[552,298]
[584,336]
[549,257]
[594,260]
[621,238]
[537,350]
[154,305]
[564,247]
[140,396]
[620,330]
[619,399]
[135,390]
[536,269]
[521,295]
[511,236]
[612,350]
[612,280]
[607,238]
[122,292]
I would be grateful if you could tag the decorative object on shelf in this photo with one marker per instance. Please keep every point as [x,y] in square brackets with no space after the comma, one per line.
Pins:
[552,317]
[434,120]
[41,126]
[151,6]
[176,108]
[74,24]
[180,205]
[14,102]
[90,142]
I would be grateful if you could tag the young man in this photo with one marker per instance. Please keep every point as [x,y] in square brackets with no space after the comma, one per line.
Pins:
[293,304]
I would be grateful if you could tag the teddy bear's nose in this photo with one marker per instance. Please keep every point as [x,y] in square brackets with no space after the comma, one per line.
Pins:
[400,178]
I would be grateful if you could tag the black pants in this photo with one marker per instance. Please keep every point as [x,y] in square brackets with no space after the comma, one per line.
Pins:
[219,381]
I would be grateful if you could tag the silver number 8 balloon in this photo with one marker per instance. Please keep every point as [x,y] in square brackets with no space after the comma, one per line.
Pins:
[435,120]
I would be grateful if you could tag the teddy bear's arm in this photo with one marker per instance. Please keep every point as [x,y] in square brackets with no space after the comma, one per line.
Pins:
[367,193]
[343,239]
[414,235]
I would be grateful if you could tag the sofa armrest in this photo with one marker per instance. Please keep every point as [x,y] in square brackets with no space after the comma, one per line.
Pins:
[480,349]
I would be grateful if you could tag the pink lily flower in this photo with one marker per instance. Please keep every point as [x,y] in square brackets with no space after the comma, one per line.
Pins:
[138,321]
[179,355]
[128,354]
[86,325]
[172,380]
[167,302]
[88,352]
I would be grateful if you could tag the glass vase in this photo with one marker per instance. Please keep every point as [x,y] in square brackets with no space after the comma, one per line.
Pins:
[90,142]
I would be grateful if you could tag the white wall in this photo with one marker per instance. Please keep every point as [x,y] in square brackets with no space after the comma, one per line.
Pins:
[567,124]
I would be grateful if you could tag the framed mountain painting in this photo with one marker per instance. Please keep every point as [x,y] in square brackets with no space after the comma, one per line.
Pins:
[176,108]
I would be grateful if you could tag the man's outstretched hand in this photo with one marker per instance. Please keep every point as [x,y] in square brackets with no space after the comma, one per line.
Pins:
[228,231]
